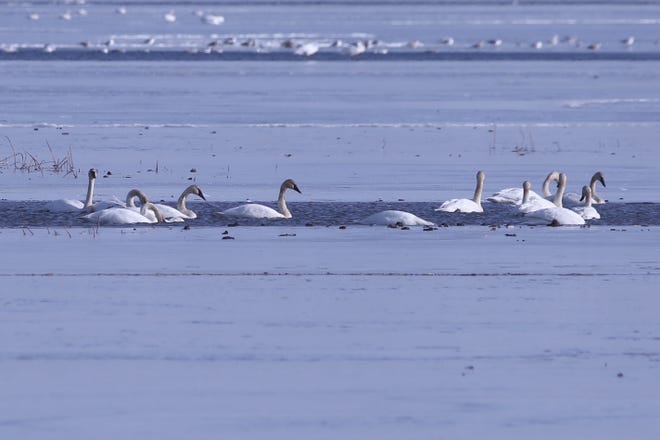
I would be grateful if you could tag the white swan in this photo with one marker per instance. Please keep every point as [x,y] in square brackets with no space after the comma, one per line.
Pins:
[393,217]
[514,196]
[573,199]
[466,205]
[557,215]
[529,204]
[179,213]
[125,216]
[254,210]
[587,211]
[68,205]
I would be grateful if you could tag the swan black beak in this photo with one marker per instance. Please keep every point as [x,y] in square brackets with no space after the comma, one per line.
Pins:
[582,198]
[296,189]
[602,180]
[201,194]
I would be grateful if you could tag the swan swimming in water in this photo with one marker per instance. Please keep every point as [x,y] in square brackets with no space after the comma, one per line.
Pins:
[393,217]
[68,205]
[587,211]
[125,216]
[529,204]
[514,196]
[180,213]
[557,215]
[466,205]
[573,199]
[254,210]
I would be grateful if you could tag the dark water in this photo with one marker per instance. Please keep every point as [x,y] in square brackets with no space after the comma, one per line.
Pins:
[30,214]
[32,54]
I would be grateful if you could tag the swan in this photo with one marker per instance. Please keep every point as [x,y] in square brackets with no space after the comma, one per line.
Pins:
[587,211]
[393,217]
[556,215]
[514,196]
[130,205]
[125,216]
[68,205]
[573,199]
[179,213]
[254,210]
[466,205]
[529,204]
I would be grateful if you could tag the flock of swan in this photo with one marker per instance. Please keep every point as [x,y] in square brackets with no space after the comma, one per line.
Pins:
[560,209]
[534,209]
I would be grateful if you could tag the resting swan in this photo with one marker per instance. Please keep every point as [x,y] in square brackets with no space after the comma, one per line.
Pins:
[514,196]
[125,216]
[170,214]
[68,205]
[573,199]
[254,210]
[587,211]
[557,215]
[466,205]
[393,217]
[530,204]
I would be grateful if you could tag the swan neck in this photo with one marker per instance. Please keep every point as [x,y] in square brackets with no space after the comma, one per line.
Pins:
[525,198]
[181,203]
[281,204]
[478,190]
[560,193]
[135,193]
[90,193]
[592,186]
[150,206]
[546,184]
[587,199]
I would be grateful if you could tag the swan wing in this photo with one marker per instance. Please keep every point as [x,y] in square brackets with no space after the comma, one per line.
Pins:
[171,213]
[460,205]
[560,216]
[587,212]
[252,210]
[64,205]
[117,216]
[391,217]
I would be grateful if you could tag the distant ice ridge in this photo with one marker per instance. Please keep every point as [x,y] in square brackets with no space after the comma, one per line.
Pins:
[588,102]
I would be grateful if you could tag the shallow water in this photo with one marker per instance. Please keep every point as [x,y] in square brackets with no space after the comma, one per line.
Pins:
[30,214]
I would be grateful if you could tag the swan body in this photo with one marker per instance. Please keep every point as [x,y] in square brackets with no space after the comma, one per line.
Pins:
[181,211]
[571,200]
[125,216]
[514,196]
[254,210]
[68,205]
[556,215]
[466,205]
[529,204]
[393,217]
[586,211]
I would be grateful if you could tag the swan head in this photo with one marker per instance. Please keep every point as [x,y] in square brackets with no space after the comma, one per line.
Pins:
[290,184]
[91,173]
[586,193]
[196,190]
[561,180]
[150,206]
[553,175]
[599,177]
[481,176]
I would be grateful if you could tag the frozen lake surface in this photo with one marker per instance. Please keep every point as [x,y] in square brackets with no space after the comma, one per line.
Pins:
[301,328]
[363,332]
